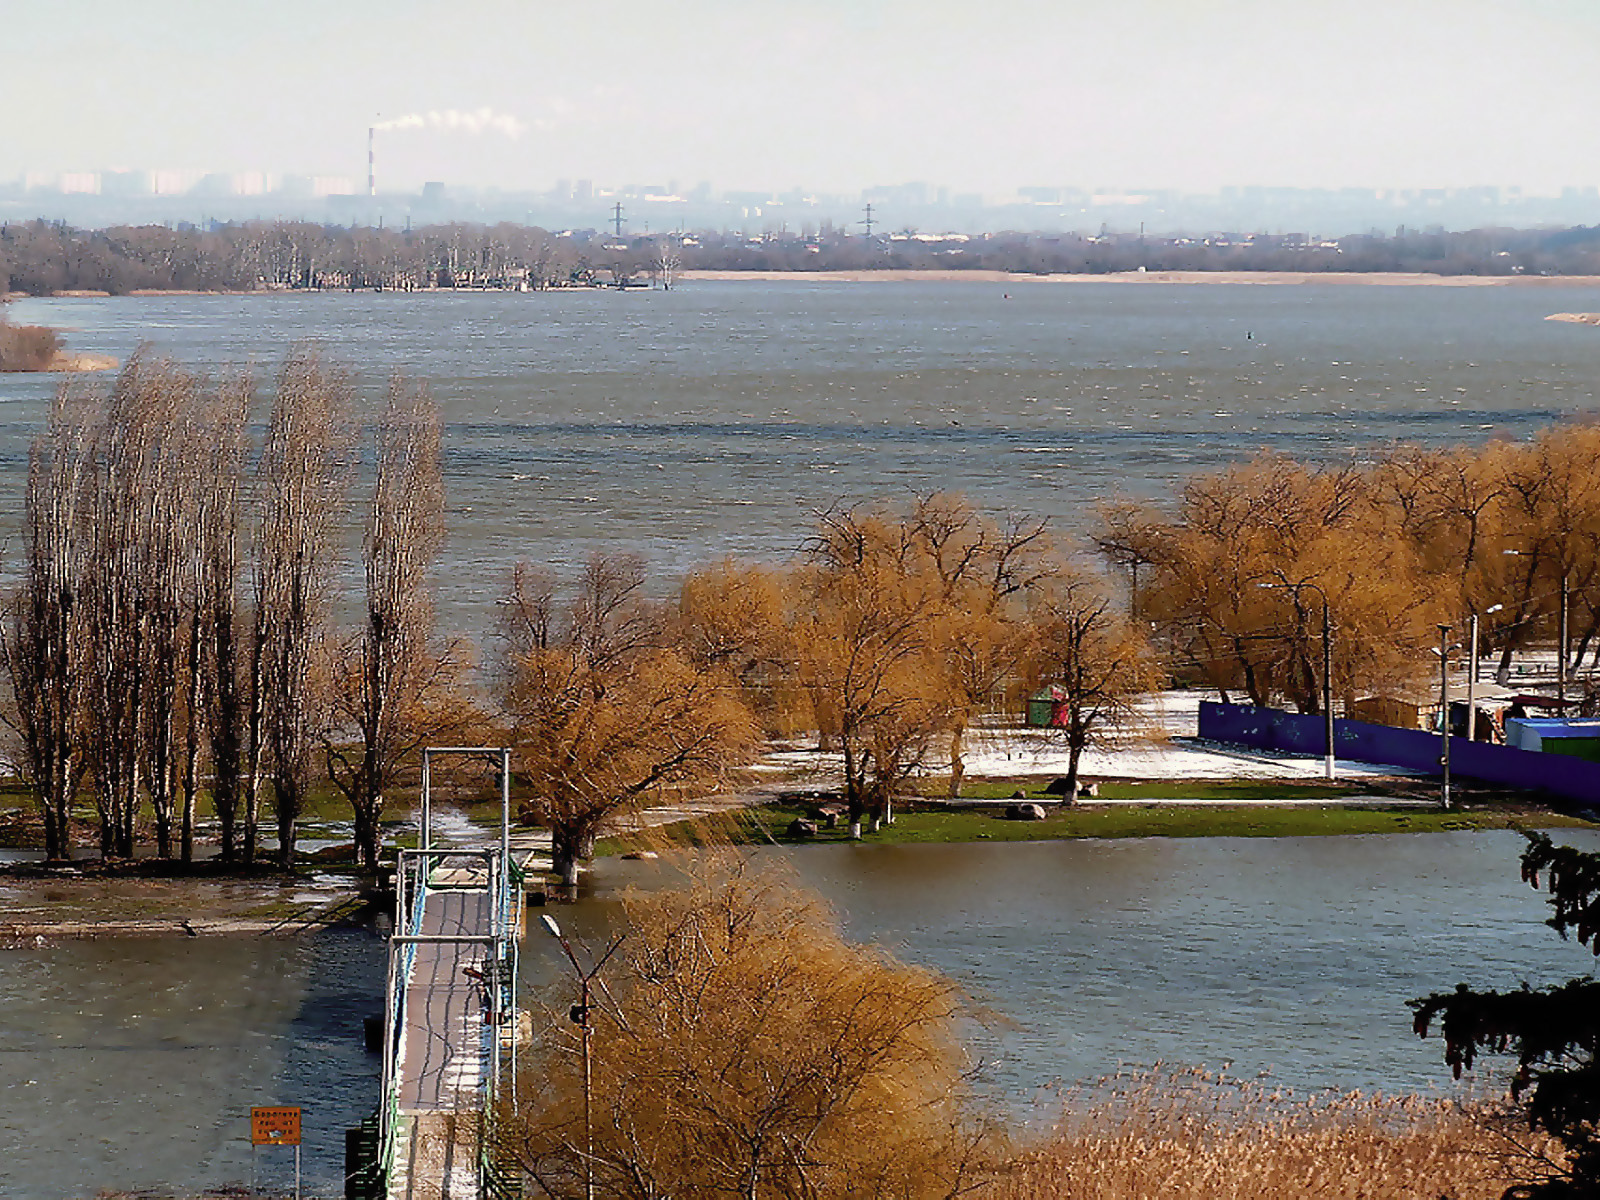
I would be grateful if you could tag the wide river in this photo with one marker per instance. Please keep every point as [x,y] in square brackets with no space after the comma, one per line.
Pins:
[714,419]
[718,417]
[134,1062]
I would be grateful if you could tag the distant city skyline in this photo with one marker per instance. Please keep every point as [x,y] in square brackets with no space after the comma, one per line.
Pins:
[91,199]
[837,95]
[181,181]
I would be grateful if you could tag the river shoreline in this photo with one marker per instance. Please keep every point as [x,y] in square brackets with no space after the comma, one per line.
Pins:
[86,900]
[1259,278]
[892,275]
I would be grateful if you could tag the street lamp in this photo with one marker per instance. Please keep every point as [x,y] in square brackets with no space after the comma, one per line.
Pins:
[1561,650]
[1444,712]
[1472,674]
[1327,664]
[580,1017]
[1561,636]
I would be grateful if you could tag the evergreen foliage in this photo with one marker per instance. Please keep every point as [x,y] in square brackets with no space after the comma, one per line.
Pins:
[1554,1032]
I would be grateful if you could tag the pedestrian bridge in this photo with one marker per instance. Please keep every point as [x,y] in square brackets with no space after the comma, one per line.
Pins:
[450,1009]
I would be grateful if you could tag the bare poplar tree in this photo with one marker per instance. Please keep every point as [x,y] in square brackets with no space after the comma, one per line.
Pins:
[217,680]
[300,483]
[47,641]
[125,589]
[666,260]
[166,545]
[390,685]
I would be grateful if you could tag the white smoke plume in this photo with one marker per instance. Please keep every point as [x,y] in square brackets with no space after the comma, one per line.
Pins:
[479,120]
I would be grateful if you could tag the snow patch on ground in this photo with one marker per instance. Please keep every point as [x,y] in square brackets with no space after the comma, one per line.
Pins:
[1159,743]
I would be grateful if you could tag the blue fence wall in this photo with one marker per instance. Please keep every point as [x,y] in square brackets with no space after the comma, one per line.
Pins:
[1302,733]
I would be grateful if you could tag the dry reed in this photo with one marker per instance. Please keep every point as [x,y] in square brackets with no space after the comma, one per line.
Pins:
[1172,1135]
[27,347]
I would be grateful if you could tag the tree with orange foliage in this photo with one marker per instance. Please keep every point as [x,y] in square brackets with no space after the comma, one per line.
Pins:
[742,1047]
[731,617]
[606,710]
[1095,660]
[1276,521]
[866,617]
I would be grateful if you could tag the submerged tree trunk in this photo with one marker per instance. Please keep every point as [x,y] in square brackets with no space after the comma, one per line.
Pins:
[568,849]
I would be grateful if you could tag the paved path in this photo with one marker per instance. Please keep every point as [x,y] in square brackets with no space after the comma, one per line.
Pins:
[442,1064]
[445,1049]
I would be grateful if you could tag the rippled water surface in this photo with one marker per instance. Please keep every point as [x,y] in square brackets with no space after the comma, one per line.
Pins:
[134,1062]
[1291,956]
[711,419]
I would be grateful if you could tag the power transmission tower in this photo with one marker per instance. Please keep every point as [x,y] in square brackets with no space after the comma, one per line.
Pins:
[868,221]
[616,216]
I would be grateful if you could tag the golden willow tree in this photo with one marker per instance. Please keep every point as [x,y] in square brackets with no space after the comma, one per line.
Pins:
[732,617]
[1227,579]
[1416,537]
[742,1047]
[607,710]
[902,626]
[910,621]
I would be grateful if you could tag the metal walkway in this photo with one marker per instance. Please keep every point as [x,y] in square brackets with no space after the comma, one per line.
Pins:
[450,1006]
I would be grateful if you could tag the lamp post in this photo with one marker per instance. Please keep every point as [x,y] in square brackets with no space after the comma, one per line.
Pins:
[1561,648]
[1472,675]
[580,1017]
[1561,636]
[1327,666]
[1444,711]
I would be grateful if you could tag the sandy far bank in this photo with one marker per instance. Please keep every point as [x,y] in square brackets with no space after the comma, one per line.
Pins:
[1346,278]
[1576,318]
[93,294]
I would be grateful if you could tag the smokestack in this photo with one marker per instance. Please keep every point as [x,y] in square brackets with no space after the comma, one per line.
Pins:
[372,175]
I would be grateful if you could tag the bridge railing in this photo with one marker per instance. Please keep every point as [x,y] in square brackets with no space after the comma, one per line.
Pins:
[414,869]
[414,878]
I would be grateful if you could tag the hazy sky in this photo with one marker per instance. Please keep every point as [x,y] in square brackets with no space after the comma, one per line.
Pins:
[833,95]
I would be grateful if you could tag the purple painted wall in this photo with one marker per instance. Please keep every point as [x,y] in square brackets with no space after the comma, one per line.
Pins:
[1274,729]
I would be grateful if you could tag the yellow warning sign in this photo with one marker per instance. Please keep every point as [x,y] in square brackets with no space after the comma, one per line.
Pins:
[274,1126]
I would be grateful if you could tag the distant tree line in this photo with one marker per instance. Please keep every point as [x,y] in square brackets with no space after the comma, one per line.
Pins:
[39,257]
[1496,252]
